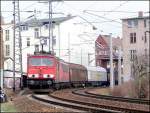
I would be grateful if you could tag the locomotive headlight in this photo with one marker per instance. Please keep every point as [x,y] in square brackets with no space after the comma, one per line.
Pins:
[51,75]
[48,75]
[33,75]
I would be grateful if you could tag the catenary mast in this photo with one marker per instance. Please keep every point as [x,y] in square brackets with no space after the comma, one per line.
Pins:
[17,44]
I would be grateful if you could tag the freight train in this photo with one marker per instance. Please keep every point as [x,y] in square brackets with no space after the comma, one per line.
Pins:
[45,70]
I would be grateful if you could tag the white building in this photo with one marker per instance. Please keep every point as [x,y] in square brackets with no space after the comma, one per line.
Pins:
[63,29]
[135,40]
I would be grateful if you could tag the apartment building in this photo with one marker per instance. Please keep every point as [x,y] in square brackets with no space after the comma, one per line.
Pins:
[1,53]
[135,40]
[32,31]
[102,49]
[102,56]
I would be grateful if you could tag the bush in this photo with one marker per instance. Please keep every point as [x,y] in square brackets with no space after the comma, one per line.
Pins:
[130,89]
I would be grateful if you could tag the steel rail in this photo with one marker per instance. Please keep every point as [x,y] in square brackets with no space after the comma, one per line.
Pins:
[117,98]
[90,104]
[73,105]
[109,97]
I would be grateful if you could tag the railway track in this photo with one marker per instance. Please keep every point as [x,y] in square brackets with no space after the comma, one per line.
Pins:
[70,104]
[83,101]
[95,102]
[108,97]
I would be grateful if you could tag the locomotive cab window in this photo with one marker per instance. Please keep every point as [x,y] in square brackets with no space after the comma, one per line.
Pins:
[41,62]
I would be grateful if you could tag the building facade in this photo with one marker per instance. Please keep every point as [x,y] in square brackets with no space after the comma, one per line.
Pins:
[32,31]
[102,50]
[135,40]
[1,52]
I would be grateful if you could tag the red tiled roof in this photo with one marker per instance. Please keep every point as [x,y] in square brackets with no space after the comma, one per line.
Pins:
[104,40]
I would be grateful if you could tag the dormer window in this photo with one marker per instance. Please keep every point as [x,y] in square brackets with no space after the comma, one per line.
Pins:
[24,28]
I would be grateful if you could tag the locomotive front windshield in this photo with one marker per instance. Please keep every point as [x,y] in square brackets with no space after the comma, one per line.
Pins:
[40,62]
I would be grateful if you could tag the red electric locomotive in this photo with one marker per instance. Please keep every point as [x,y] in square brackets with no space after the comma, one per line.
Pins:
[45,70]
[41,70]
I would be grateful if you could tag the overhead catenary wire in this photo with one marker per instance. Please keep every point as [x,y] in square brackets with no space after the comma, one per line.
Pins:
[22,10]
[105,18]
[115,11]
[116,8]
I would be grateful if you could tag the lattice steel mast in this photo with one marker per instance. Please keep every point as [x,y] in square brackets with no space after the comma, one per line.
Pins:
[17,43]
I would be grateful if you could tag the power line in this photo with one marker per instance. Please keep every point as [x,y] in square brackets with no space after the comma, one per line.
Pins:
[94,22]
[116,11]
[116,8]
[104,18]
[22,10]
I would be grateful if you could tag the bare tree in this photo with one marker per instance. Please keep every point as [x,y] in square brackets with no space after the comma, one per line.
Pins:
[140,74]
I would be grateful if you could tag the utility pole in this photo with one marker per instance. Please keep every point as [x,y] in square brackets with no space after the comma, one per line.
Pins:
[17,44]
[50,27]
[81,55]
[88,59]
[111,64]
[119,66]
[59,38]
[69,47]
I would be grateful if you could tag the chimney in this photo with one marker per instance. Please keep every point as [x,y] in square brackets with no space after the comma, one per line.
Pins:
[140,14]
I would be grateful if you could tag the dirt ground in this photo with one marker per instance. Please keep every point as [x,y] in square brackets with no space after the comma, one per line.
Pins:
[21,103]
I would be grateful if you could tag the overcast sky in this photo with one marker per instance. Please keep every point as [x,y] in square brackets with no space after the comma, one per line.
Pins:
[93,12]
[83,8]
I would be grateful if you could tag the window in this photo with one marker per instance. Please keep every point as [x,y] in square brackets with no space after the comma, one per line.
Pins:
[132,54]
[145,23]
[132,23]
[24,28]
[145,37]
[41,61]
[28,42]
[132,38]
[7,35]
[7,50]
[145,52]
[36,48]
[36,32]
[129,23]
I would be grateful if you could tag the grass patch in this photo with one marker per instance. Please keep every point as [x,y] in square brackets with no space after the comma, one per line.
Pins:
[8,107]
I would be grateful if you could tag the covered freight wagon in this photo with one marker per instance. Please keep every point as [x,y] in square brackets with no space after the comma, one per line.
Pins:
[97,76]
[78,74]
